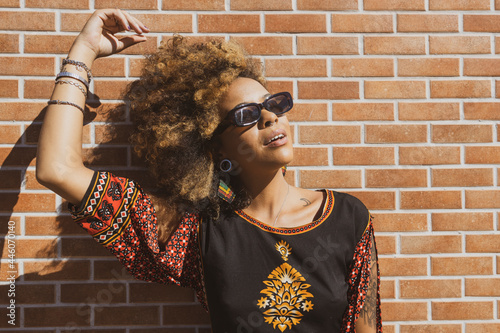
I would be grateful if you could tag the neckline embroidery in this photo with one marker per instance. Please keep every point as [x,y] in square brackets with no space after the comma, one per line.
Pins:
[327,209]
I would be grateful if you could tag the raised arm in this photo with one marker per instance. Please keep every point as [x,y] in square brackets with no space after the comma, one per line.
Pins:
[59,164]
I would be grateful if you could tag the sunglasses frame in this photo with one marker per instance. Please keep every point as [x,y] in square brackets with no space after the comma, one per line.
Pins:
[230,118]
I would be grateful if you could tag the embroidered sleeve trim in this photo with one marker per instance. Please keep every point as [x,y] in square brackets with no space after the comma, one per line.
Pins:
[359,281]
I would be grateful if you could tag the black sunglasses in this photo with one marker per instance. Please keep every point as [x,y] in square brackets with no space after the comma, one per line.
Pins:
[249,114]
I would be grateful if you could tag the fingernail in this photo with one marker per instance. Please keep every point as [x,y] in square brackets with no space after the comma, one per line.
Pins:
[128,27]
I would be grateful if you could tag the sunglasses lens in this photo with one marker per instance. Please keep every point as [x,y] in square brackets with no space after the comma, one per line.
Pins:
[278,104]
[247,115]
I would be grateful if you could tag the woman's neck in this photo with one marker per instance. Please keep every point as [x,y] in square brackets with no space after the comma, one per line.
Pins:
[269,194]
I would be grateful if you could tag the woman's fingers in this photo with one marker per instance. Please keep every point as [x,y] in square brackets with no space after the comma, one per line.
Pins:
[135,24]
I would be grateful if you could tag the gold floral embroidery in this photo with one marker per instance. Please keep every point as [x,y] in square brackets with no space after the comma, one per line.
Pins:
[284,249]
[286,295]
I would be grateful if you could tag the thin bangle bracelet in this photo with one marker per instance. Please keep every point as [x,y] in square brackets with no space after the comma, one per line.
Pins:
[73,83]
[58,102]
[79,66]
[74,76]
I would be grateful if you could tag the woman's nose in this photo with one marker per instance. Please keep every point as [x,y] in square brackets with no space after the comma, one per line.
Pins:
[268,118]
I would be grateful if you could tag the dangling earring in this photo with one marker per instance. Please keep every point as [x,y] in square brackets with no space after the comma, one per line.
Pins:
[225,192]
[283,169]
[225,165]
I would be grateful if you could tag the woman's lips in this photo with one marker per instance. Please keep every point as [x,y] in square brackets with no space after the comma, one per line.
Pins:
[276,139]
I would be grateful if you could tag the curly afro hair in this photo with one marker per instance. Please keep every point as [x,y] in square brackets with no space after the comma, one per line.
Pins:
[174,108]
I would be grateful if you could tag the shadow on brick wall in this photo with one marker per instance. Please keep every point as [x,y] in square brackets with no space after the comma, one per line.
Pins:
[69,283]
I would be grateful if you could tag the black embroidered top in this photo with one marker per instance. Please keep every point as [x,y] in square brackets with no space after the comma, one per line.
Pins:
[312,278]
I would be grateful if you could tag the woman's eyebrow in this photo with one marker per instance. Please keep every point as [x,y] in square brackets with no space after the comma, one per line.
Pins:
[243,103]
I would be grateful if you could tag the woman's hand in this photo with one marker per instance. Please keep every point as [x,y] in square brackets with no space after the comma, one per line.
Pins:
[98,34]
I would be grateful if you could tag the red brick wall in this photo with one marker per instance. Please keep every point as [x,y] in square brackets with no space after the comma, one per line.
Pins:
[397,103]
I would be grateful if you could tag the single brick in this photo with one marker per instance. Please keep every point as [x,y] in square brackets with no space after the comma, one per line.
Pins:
[376,200]
[48,43]
[431,199]
[395,133]
[8,88]
[427,23]
[27,202]
[327,5]
[27,66]
[396,178]
[430,288]
[185,314]
[404,311]
[459,4]
[362,67]
[489,287]
[461,310]
[482,23]
[429,111]
[56,270]
[400,222]
[330,178]
[363,156]
[394,5]
[461,89]
[308,112]
[310,156]
[481,67]
[394,89]
[386,245]
[394,45]
[121,315]
[264,45]
[167,22]
[261,5]
[329,134]
[328,90]
[429,67]
[462,133]
[53,316]
[27,21]
[414,266]
[63,4]
[10,3]
[482,199]
[483,327]
[109,67]
[353,23]
[462,221]
[482,110]
[461,266]
[295,23]
[431,244]
[39,88]
[327,45]
[132,4]
[192,5]
[233,23]
[10,43]
[296,67]
[482,155]
[459,44]
[462,177]
[363,111]
[438,328]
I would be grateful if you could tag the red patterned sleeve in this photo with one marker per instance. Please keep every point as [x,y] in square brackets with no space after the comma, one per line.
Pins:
[364,285]
[120,216]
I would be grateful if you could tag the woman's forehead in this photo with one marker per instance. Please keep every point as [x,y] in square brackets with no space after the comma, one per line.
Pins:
[243,90]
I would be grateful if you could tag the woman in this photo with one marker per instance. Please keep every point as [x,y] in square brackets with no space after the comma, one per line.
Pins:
[262,255]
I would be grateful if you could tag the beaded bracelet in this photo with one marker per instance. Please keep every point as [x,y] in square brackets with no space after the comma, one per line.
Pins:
[58,102]
[79,66]
[74,76]
[73,83]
